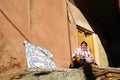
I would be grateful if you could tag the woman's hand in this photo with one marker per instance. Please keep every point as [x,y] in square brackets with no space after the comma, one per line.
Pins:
[89,60]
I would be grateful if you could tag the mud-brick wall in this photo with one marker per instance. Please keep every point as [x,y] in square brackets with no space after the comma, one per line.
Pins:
[42,22]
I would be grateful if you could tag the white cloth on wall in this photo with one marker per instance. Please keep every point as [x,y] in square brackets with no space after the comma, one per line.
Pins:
[38,56]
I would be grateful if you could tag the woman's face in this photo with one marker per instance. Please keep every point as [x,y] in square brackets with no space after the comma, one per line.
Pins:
[84,46]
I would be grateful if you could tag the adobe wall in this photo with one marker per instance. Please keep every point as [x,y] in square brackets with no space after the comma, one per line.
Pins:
[43,23]
[50,28]
[14,27]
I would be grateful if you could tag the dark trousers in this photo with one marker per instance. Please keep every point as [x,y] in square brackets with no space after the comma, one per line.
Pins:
[77,64]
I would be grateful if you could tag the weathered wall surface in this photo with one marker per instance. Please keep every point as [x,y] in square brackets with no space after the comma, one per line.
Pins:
[50,28]
[43,23]
[100,54]
[14,27]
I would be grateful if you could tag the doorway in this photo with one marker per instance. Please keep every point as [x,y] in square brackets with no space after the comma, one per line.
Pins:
[85,35]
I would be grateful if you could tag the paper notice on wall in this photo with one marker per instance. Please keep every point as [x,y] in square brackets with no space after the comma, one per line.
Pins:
[38,56]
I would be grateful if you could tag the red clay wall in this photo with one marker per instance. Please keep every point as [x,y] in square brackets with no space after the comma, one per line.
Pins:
[14,20]
[42,22]
[50,28]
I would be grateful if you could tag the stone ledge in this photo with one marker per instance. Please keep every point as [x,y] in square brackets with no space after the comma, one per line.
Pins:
[88,72]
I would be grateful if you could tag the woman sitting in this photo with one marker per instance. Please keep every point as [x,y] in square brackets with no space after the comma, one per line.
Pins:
[81,56]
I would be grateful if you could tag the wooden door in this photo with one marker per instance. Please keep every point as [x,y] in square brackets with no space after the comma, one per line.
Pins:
[89,40]
[83,36]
